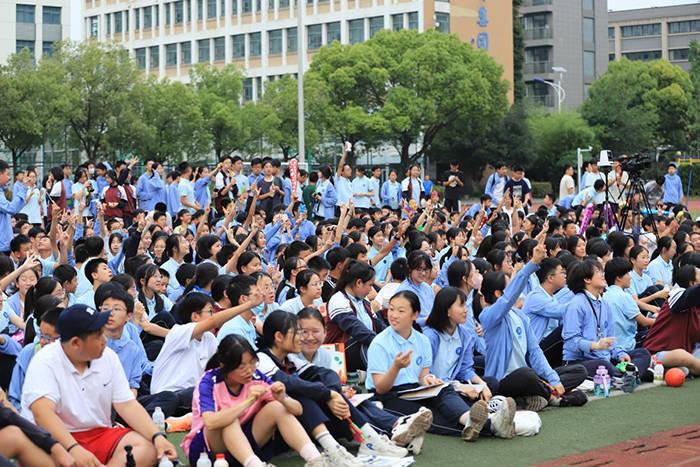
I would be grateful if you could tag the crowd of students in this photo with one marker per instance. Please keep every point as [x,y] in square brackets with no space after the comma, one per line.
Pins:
[213,292]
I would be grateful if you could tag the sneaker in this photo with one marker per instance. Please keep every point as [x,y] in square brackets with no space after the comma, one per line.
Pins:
[502,421]
[341,458]
[647,376]
[573,399]
[380,445]
[410,426]
[320,461]
[533,403]
[478,414]
[416,445]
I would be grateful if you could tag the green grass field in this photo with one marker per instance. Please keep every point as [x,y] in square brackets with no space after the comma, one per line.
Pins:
[564,431]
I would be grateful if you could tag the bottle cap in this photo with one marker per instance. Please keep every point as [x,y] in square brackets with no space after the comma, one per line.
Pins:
[221,456]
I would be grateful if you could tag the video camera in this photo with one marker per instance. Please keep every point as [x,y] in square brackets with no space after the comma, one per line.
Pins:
[635,163]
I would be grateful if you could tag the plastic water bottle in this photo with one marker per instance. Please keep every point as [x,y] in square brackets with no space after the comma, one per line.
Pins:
[658,373]
[606,381]
[203,460]
[221,461]
[165,462]
[159,419]
[598,382]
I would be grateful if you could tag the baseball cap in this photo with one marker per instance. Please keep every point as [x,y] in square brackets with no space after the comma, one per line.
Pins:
[80,319]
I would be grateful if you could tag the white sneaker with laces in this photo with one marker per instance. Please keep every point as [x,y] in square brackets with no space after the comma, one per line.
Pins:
[341,458]
[320,461]
[411,426]
[416,445]
[502,421]
[380,445]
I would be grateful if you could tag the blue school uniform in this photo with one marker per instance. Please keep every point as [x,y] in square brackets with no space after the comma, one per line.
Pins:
[510,342]
[374,186]
[14,393]
[673,189]
[586,320]
[173,199]
[453,356]
[639,283]
[329,198]
[361,185]
[391,194]
[343,187]
[624,309]
[239,326]
[660,270]
[541,308]
[382,267]
[382,352]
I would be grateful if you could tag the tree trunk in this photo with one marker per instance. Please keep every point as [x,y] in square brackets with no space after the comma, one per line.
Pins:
[15,161]
[405,156]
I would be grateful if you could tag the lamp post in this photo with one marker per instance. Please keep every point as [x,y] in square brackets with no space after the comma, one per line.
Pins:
[300,78]
[561,93]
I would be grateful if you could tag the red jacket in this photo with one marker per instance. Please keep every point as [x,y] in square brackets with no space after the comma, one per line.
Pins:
[113,194]
[674,330]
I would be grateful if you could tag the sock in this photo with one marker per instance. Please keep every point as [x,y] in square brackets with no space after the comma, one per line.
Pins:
[367,431]
[327,442]
[466,419]
[253,461]
[308,452]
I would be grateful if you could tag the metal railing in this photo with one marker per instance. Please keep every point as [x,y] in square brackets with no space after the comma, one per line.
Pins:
[536,2]
[538,67]
[541,99]
[538,33]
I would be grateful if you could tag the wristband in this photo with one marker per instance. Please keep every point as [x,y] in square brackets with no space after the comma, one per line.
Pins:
[72,446]
[160,433]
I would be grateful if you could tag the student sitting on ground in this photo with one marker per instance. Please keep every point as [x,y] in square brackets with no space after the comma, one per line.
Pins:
[65,392]
[400,358]
[240,412]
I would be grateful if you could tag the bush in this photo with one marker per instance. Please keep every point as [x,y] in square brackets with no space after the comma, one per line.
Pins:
[539,189]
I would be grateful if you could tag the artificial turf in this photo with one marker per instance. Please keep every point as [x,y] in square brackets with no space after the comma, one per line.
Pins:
[564,431]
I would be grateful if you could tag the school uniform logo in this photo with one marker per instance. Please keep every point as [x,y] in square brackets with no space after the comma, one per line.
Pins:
[519,332]
[458,351]
[419,360]
[605,324]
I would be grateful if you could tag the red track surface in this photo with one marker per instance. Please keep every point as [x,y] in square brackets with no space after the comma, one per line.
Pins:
[677,447]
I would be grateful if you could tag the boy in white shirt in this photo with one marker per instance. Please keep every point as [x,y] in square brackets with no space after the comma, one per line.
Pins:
[71,388]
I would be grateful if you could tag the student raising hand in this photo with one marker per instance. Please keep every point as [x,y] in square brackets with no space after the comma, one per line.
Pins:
[540,251]
[402,360]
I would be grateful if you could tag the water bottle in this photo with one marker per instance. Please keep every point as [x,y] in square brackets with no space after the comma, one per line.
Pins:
[203,460]
[606,382]
[598,382]
[159,419]
[658,373]
[220,461]
[165,462]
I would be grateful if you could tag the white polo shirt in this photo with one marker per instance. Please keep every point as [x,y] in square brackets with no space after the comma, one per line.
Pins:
[83,401]
[181,360]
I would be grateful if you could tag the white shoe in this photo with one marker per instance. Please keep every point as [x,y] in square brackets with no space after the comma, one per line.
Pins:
[416,445]
[341,458]
[502,421]
[478,414]
[411,426]
[320,461]
[380,445]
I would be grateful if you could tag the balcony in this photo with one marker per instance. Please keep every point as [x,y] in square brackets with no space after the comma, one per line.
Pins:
[546,100]
[537,67]
[536,2]
[538,33]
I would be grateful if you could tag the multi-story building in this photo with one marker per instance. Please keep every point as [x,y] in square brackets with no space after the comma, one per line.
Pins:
[260,36]
[653,33]
[32,24]
[563,35]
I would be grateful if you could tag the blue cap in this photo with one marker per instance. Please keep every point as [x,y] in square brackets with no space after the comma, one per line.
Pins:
[80,319]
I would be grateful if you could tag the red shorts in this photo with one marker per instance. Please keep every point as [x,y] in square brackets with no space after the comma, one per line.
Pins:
[101,441]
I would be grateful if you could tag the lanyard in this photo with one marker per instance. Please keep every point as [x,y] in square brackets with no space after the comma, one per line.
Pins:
[597,317]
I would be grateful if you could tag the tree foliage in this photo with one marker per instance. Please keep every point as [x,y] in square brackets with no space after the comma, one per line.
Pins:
[694,127]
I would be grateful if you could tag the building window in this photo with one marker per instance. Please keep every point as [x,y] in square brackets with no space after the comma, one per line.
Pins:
[171,55]
[611,57]
[413,21]
[538,93]
[200,9]
[185,53]
[376,24]
[188,10]
[117,22]
[315,33]
[291,39]
[641,30]
[332,32]
[677,27]
[588,5]
[25,14]
[94,26]
[21,45]
[274,40]
[247,6]
[259,87]
[397,22]
[140,55]
[157,8]
[239,46]
[51,15]
[211,9]
[203,50]
[442,22]
[588,30]
[155,56]
[167,13]
[219,48]
[588,63]
[258,5]
[537,60]
[643,56]
[586,89]
[284,3]
[611,33]
[147,17]
[179,13]
[248,89]
[678,54]
[137,19]
[356,29]
[222,8]
[255,44]
[108,22]
[126,21]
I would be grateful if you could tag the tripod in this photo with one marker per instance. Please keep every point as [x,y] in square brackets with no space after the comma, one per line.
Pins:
[636,188]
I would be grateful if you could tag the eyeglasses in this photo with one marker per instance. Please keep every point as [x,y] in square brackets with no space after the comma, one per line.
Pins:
[118,309]
[423,270]
[48,339]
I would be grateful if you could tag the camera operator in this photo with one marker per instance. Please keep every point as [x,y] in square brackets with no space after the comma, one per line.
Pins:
[655,191]
[617,184]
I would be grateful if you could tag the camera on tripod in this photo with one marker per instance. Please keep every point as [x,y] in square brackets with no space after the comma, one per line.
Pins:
[635,163]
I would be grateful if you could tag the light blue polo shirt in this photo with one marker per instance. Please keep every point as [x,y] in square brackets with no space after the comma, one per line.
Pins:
[361,185]
[237,325]
[382,267]
[382,352]
[323,358]
[449,350]
[639,284]
[519,336]
[624,309]
[660,270]
[343,188]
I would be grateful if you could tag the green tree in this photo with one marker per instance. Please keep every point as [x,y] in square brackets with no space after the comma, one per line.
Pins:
[281,125]
[694,125]
[34,103]
[634,104]
[170,121]
[102,79]
[518,53]
[219,92]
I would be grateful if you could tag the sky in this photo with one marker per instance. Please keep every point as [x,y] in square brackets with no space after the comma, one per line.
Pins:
[635,4]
